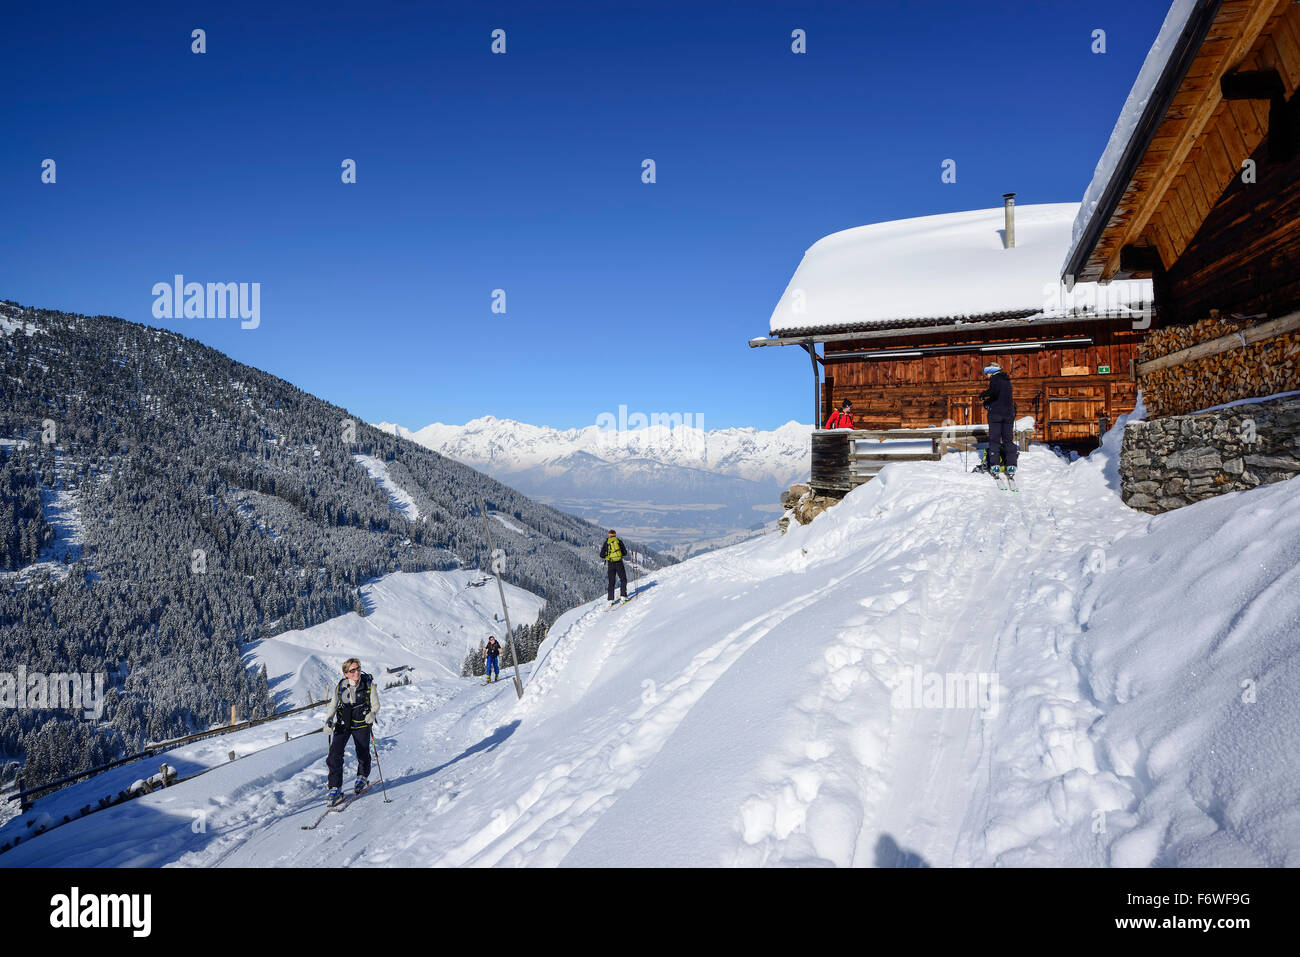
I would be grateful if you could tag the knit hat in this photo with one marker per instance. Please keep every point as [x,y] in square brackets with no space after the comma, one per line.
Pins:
[991,368]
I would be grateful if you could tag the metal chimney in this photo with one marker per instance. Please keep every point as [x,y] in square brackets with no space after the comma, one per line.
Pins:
[1009,209]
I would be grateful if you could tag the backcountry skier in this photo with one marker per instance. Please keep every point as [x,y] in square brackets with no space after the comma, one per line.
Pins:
[356,702]
[613,551]
[1001,409]
[491,654]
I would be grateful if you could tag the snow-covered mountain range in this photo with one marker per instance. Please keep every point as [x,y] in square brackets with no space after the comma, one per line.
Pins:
[670,484]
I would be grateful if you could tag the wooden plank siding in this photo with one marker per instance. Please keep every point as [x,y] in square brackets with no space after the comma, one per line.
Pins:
[1245,257]
[925,391]
[1199,146]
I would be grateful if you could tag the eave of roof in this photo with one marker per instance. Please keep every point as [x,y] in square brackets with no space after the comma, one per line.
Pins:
[876,330]
[905,324]
[1078,265]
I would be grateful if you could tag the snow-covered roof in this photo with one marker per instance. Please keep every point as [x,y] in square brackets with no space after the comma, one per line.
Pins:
[944,268]
[1130,117]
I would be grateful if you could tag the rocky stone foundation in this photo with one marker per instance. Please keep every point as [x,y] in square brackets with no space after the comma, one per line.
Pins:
[1174,461]
[803,505]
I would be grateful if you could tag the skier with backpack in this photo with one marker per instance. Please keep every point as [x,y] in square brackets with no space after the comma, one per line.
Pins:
[841,418]
[491,654]
[1001,409]
[613,551]
[356,702]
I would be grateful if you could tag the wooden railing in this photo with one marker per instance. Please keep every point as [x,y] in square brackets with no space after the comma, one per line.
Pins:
[840,464]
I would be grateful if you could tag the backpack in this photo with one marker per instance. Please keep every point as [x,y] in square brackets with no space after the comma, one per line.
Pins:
[615,553]
[839,419]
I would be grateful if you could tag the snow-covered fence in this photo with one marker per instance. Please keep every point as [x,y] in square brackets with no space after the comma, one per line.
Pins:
[23,795]
[167,776]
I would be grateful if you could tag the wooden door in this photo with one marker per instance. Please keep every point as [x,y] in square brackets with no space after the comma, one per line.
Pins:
[1073,410]
[965,410]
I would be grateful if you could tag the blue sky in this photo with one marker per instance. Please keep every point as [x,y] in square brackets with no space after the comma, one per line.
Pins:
[522,172]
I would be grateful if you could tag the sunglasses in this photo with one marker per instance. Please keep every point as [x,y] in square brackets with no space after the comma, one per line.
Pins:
[348,671]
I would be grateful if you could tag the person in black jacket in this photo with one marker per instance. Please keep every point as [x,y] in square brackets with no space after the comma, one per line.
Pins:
[491,657]
[613,551]
[1001,410]
[356,702]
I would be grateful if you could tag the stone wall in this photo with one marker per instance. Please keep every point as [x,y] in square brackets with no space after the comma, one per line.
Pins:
[1259,368]
[803,505]
[1179,459]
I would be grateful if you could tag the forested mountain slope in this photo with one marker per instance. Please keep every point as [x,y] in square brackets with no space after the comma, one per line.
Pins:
[162,504]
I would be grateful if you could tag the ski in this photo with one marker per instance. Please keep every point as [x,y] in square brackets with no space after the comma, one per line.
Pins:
[340,807]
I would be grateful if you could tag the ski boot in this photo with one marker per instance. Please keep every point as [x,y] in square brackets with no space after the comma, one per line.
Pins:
[335,796]
[1011,478]
[361,785]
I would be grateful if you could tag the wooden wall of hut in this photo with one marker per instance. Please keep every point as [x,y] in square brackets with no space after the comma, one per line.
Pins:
[1245,257]
[1060,386]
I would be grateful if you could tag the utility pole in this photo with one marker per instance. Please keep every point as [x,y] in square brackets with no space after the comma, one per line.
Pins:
[510,639]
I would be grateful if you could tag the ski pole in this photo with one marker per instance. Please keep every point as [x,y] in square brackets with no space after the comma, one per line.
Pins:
[375,747]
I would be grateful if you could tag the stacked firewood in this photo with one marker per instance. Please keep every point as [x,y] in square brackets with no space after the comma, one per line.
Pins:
[1253,370]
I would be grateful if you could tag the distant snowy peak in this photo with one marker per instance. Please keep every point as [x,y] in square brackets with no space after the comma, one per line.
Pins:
[504,447]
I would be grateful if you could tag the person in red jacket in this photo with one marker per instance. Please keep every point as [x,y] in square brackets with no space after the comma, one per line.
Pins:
[841,418]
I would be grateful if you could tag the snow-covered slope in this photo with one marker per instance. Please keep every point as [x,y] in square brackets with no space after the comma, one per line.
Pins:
[933,672]
[427,620]
[400,500]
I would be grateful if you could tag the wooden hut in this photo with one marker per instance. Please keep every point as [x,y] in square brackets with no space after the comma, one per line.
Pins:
[1199,189]
[908,313]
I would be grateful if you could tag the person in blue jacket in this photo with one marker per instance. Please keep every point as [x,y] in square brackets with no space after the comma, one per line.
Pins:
[1001,410]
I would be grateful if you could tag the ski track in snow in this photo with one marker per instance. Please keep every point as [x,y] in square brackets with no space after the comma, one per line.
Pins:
[858,767]
[862,781]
